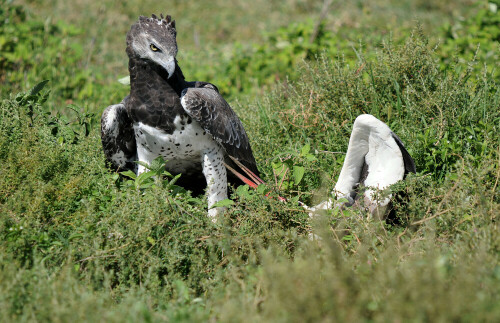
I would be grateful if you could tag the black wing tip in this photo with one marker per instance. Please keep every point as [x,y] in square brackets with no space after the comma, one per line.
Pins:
[123,141]
[409,163]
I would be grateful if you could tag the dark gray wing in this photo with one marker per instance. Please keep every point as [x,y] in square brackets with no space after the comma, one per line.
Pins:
[205,105]
[408,161]
[117,136]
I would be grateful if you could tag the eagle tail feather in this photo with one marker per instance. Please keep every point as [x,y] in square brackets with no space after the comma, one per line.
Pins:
[247,171]
[254,180]
[242,177]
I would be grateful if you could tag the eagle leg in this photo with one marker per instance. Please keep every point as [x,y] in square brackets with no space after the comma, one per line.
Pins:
[215,173]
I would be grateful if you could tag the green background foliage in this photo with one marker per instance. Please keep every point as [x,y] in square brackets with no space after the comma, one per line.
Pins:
[79,242]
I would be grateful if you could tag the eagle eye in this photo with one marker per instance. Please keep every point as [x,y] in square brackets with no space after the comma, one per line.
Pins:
[154,48]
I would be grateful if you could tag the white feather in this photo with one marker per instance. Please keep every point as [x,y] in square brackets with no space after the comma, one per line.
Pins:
[111,122]
[371,142]
[188,148]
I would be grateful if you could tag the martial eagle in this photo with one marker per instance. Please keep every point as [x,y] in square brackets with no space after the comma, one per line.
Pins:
[189,124]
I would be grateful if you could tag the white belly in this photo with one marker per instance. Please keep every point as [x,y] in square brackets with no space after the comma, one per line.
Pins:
[182,149]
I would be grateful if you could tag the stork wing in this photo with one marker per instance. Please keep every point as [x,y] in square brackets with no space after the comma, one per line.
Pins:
[117,136]
[375,158]
[205,105]
[408,161]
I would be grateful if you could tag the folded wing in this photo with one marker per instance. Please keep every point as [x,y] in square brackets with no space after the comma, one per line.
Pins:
[206,106]
[117,136]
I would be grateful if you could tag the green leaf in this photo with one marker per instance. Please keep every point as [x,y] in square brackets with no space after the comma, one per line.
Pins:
[261,189]
[298,174]
[223,203]
[305,150]
[129,174]
[146,165]
[144,176]
[165,173]
[151,241]
[347,237]
[172,182]
[75,236]
[342,200]
[37,88]
[310,157]
[143,186]
[242,191]
[157,165]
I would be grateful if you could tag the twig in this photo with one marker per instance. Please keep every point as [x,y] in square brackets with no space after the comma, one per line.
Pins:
[463,220]
[96,257]
[283,178]
[495,186]
[399,237]
[431,217]
[357,239]
[322,16]
[444,198]
[91,50]
[330,152]
[275,177]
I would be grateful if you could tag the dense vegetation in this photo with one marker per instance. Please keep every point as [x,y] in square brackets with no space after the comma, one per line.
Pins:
[79,242]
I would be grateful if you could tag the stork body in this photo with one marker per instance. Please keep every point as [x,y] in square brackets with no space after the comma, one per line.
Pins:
[376,159]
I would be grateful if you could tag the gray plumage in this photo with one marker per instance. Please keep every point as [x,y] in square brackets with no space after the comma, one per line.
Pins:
[211,111]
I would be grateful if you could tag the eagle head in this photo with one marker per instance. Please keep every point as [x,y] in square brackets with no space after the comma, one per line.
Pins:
[154,39]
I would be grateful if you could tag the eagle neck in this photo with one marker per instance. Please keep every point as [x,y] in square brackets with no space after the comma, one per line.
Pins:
[144,73]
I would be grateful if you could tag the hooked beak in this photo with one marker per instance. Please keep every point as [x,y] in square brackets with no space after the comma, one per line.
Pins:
[169,66]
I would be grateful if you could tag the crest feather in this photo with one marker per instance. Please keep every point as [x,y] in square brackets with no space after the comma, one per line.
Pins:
[164,20]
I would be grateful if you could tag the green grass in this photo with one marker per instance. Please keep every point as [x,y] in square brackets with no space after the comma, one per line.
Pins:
[80,243]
